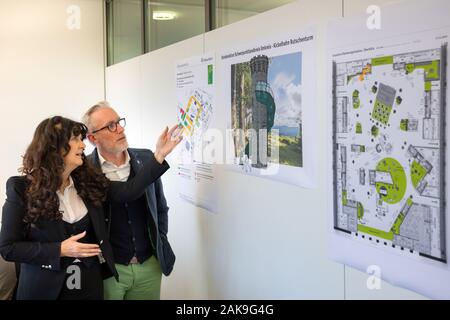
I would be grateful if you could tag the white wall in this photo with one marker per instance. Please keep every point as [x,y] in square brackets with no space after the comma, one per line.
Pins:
[269,240]
[45,69]
[278,237]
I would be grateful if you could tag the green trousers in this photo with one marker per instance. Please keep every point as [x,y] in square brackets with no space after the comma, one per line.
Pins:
[136,282]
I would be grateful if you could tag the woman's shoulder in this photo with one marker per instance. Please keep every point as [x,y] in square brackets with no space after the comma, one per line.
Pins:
[16,185]
[17,180]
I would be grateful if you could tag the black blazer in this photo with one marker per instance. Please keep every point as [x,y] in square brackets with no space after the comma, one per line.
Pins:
[37,247]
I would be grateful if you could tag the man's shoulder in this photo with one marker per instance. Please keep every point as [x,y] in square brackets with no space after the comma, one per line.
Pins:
[93,157]
[140,152]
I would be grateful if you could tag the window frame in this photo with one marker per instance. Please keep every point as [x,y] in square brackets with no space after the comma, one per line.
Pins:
[210,24]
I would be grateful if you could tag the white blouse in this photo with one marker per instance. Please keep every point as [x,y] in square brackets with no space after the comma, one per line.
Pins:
[70,203]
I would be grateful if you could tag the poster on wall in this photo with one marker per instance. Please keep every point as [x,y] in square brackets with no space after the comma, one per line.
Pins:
[269,93]
[388,158]
[195,90]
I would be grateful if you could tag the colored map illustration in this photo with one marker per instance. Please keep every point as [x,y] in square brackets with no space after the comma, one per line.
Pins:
[194,117]
[389,150]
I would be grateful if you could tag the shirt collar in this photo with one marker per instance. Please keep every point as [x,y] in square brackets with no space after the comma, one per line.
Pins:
[103,160]
[71,185]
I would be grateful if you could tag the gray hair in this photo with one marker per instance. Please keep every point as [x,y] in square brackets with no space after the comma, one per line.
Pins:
[87,116]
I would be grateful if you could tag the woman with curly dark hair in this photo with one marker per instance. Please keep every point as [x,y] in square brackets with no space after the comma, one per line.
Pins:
[53,222]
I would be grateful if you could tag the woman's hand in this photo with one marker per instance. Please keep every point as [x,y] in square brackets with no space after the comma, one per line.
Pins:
[72,248]
[167,141]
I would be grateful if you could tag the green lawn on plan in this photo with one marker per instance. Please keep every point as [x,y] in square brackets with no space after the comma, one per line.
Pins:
[398,222]
[404,124]
[400,218]
[374,131]
[375,232]
[382,61]
[391,193]
[360,210]
[418,172]
[356,101]
[431,69]
[381,112]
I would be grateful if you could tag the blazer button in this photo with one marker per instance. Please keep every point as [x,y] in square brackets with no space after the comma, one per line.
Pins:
[106,220]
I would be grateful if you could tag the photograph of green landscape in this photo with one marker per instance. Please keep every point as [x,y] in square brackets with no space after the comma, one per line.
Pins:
[266,96]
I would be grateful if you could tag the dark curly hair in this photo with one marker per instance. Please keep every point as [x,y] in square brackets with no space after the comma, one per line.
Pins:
[43,165]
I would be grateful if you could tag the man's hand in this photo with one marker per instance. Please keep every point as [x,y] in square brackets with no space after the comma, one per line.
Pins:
[167,141]
[72,248]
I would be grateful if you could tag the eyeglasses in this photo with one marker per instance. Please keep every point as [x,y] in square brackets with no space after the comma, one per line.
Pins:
[112,126]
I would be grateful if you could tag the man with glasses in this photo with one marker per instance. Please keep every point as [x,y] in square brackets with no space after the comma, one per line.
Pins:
[137,229]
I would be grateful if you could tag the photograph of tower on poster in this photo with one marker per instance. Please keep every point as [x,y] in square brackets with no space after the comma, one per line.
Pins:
[266,96]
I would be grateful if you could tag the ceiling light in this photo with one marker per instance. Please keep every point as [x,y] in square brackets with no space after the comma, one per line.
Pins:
[163,15]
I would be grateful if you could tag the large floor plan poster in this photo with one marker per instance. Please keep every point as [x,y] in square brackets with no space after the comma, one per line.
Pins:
[389,148]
